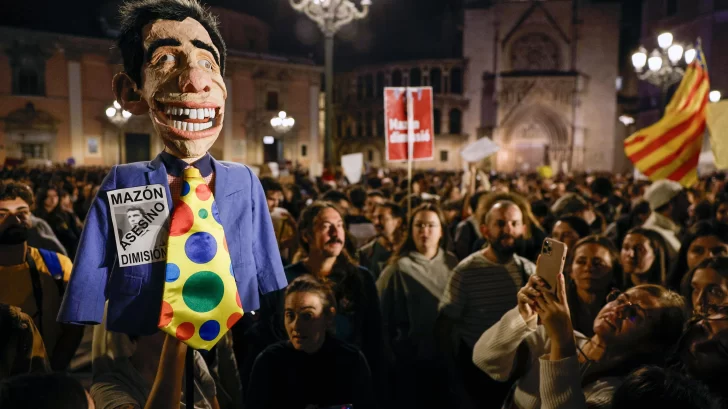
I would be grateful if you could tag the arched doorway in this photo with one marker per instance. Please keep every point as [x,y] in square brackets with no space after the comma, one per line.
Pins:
[534,136]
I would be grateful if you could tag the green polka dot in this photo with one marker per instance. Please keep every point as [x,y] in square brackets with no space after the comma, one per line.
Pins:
[203,291]
[202,213]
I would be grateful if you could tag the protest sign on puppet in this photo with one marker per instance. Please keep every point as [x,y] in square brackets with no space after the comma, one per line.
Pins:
[139,216]
[403,106]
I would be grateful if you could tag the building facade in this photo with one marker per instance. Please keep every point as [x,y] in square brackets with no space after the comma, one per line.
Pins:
[54,90]
[359,109]
[541,82]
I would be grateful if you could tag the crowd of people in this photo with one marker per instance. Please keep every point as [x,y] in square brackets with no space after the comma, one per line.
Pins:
[407,294]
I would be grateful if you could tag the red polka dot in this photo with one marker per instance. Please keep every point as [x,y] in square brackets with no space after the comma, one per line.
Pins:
[233,319]
[166,316]
[237,298]
[185,331]
[182,219]
[224,244]
[203,192]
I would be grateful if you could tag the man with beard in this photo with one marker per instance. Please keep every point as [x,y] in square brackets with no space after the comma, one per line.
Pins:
[481,289]
[358,316]
[358,321]
[388,220]
[33,279]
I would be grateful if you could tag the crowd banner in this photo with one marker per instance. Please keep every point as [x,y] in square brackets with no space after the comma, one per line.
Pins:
[670,149]
[718,125]
[409,127]
[402,123]
[479,150]
[352,165]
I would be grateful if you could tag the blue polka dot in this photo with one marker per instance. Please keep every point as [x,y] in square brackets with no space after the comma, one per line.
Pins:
[210,330]
[232,273]
[185,188]
[201,247]
[215,212]
[172,273]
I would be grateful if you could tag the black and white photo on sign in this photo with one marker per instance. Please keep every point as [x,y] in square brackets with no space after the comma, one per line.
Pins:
[140,218]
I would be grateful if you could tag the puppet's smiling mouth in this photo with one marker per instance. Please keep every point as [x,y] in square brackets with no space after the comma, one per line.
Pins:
[188,117]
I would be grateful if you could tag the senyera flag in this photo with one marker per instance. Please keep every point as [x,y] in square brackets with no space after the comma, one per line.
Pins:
[670,148]
[398,103]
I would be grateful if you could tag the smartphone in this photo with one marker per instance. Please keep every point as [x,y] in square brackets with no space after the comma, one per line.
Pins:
[551,261]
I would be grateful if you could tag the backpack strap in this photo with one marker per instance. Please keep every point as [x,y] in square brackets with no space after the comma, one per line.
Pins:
[53,264]
[37,289]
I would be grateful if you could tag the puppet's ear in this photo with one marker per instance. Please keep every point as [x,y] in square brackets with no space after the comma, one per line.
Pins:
[128,95]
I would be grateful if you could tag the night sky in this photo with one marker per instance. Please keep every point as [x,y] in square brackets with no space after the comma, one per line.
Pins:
[395,30]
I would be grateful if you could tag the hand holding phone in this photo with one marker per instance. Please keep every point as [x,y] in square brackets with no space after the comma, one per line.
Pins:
[551,262]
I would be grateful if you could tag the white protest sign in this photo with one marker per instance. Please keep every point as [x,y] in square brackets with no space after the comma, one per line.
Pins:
[352,165]
[139,215]
[479,150]
[273,166]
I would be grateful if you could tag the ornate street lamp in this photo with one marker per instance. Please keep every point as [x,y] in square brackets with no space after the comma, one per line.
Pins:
[282,123]
[330,15]
[118,117]
[665,66]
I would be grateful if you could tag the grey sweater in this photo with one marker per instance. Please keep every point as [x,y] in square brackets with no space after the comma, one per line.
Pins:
[410,291]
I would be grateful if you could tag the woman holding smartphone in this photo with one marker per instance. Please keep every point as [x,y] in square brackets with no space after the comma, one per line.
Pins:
[595,271]
[313,367]
[557,367]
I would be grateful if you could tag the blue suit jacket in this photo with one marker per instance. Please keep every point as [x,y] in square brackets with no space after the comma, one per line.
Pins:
[135,292]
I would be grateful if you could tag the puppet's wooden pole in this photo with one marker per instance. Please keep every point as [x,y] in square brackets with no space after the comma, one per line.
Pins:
[190,378]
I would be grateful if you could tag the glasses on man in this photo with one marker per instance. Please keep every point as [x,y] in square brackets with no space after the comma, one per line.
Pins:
[626,309]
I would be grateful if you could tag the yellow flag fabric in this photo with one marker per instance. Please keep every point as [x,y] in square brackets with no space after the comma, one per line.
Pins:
[670,148]
[200,302]
[718,125]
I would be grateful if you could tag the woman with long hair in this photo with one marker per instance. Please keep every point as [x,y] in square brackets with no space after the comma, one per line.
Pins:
[703,240]
[312,367]
[595,271]
[569,230]
[558,367]
[643,258]
[410,289]
[64,224]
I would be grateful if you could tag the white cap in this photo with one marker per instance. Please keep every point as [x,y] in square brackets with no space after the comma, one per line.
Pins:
[661,192]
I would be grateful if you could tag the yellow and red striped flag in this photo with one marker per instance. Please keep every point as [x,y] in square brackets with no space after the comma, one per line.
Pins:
[670,148]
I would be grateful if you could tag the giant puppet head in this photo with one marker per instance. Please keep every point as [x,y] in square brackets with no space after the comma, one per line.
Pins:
[174,62]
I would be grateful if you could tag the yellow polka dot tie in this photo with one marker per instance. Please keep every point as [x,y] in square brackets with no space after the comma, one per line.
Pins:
[201,300]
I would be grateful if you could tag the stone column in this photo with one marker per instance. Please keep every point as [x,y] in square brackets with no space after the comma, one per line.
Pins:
[314,145]
[75,104]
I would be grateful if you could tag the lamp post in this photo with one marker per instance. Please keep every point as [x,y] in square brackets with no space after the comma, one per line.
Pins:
[118,117]
[330,15]
[665,66]
[282,123]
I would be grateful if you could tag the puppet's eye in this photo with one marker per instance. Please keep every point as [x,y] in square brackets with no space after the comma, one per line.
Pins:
[205,64]
[167,58]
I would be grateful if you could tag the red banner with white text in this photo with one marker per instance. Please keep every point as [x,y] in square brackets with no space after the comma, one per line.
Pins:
[408,115]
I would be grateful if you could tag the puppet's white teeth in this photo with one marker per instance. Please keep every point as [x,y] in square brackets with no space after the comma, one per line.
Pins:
[186,112]
[200,113]
[212,113]
[193,114]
